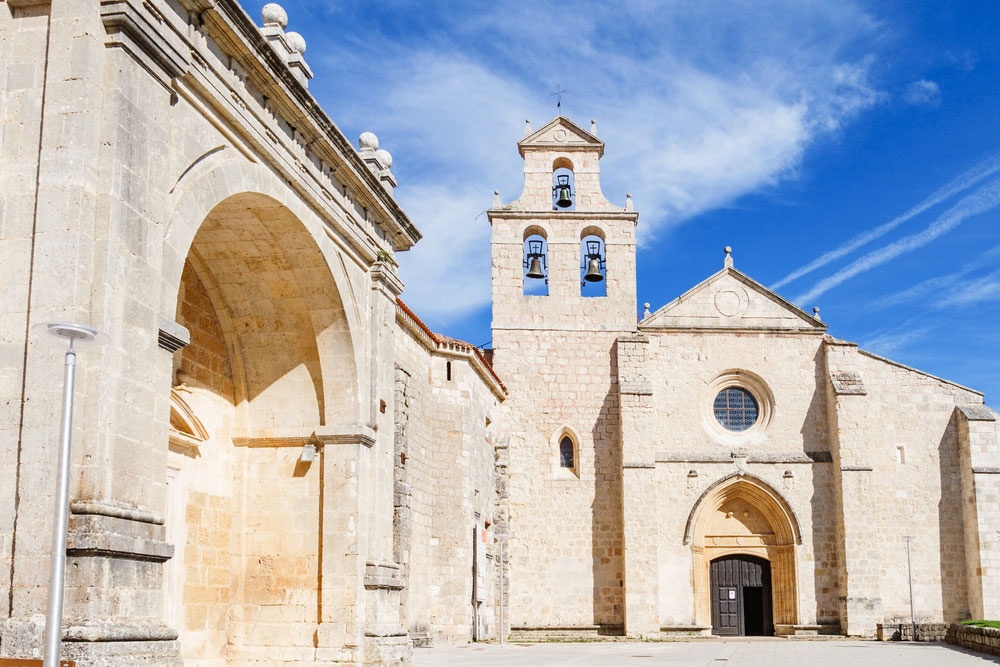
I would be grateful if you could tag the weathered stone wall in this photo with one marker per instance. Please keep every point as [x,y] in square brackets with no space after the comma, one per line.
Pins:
[177,138]
[979,447]
[207,593]
[445,489]
[23,33]
[565,545]
[983,640]
[904,455]
[276,577]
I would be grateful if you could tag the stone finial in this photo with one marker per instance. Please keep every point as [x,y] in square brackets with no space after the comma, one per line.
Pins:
[385,157]
[628,201]
[496,199]
[727,263]
[273,14]
[289,45]
[527,127]
[368,142]
[379,161]
[645,311]
[296,42]
[816,313]
[593,127]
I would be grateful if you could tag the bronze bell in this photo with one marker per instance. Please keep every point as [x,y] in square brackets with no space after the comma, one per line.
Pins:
[564,198]
[535,269]
[593,274]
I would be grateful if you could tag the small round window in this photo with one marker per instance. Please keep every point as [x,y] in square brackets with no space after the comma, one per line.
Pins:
[736,409]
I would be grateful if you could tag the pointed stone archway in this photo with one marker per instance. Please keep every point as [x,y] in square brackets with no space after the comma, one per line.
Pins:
[742,518]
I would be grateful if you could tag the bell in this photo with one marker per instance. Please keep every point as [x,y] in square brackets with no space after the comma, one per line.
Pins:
[593,274]
[563,197]
[535,269]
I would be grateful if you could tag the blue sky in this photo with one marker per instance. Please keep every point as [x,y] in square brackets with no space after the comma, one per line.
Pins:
[849,152]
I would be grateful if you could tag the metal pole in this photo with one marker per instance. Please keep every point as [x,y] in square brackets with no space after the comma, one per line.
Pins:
[501,592]
[909,575]
[57,578]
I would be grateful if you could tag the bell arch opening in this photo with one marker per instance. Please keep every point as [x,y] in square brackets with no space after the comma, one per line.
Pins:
[535,260]
[563,185]
[271,361]
[593,262]
[742,525]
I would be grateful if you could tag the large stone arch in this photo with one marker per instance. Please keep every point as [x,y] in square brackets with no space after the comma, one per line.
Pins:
[273,299]
[743,514]
[316,265]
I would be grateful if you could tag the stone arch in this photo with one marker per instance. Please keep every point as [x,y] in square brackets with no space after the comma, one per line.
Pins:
[314,270]
[273,298]
[743,514]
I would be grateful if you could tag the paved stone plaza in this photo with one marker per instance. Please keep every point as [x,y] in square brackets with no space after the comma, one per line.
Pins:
[733,653]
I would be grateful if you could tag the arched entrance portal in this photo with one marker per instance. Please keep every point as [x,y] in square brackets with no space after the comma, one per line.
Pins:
[743,536]
[741,596]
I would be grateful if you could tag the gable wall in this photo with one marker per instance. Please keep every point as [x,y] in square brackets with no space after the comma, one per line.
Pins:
[692,453]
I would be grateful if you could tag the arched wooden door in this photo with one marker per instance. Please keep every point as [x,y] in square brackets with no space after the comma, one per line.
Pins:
[741,596]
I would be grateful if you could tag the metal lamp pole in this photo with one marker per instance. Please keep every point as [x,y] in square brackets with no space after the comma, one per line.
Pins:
[79,336]
[501,538]
[909,576]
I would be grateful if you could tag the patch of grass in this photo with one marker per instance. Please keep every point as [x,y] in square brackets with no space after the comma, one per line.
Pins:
[982,624]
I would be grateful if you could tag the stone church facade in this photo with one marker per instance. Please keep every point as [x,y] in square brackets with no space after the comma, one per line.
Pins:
[275,460]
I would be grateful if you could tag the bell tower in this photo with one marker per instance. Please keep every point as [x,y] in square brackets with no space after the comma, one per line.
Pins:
[563,255]
[563,295]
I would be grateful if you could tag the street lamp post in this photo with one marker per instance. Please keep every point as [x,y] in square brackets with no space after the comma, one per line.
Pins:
[909,576]
[79,336]
[501,538]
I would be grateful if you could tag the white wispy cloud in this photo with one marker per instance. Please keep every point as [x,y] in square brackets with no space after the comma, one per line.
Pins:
[983,199]
[940,289]
[976,291]
[698,105]
[888,342]
[923,92]
[956,186]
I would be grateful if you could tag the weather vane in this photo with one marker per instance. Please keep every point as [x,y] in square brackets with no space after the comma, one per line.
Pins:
[558,94]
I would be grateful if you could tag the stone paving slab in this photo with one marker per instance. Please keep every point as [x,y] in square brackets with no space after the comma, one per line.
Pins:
[721,653]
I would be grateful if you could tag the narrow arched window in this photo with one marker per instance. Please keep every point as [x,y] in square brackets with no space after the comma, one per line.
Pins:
[535,261]
[567,453]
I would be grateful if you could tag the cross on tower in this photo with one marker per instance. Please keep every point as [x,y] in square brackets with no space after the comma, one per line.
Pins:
[558,94]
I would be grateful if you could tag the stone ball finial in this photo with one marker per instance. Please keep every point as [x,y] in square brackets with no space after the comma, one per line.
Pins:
[384,157]
[368,141]
[274,14]
[296,41]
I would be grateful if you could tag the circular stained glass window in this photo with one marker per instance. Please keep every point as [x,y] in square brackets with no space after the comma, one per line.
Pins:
[736,409]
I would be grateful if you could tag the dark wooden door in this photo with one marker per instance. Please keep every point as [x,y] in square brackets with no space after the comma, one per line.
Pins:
[741,596]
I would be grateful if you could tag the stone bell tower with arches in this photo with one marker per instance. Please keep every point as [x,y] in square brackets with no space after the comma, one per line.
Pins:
[564,291]
[562,206]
